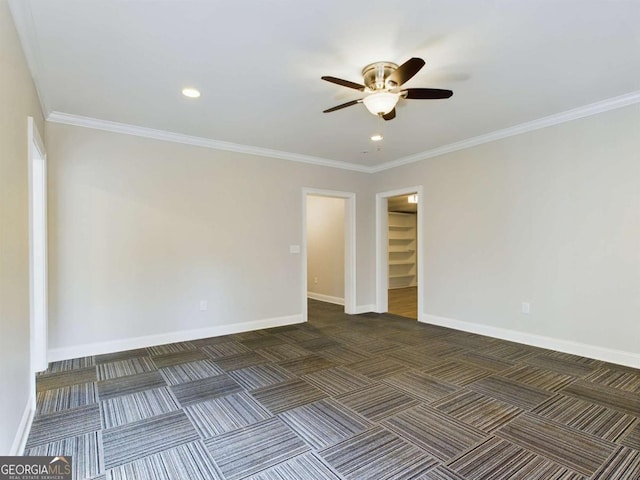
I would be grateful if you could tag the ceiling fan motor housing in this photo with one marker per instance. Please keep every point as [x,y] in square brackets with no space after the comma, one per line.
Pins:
[376,74]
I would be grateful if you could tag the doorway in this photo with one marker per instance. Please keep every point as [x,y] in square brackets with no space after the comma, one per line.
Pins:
[402,259]
[399,252]
[328,261]
[37,248]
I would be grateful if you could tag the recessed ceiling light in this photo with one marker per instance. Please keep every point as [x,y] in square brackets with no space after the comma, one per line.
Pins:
[190,92]
[376,138]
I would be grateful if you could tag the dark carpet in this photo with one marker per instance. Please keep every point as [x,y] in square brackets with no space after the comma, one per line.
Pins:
[341,397]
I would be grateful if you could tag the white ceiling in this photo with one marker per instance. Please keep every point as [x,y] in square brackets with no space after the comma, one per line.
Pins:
[258,64]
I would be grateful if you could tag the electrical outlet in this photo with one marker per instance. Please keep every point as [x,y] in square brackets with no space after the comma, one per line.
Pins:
[526,308]
[203,305]
[315,280]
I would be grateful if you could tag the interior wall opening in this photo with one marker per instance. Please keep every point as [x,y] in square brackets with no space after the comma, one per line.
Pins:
[402,260]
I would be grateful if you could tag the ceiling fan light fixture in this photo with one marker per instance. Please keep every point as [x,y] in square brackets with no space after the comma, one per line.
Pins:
[381,103]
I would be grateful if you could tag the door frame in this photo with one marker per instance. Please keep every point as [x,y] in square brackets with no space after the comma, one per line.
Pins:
[382,251]
[349,246]
[38,284]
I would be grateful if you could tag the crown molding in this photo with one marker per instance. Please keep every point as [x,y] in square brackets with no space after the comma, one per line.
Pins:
[23,21]
[555,119]
[88,122]
[558,118]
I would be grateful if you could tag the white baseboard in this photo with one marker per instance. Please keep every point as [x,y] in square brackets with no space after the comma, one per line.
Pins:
[20,440]
[365,308]
[100,348]
[619,357]
[325,298]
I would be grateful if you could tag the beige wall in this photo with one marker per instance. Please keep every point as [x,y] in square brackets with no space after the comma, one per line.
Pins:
[141,230]
[550,217]
[18,100]
[325,247]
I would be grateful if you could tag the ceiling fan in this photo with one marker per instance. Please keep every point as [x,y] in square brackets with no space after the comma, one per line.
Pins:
[383,82]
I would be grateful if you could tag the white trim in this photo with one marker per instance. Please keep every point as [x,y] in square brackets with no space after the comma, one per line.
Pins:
[23,20]
[124,344]
[38,298]
[325,298]
[22,433]
[97,124]
[382,255]
[555,119]
[548,121]
[349,246]
[619,357]
[365,309]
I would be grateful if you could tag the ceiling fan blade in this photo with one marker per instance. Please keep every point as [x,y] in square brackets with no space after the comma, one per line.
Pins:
[391,115]
[405,71]
[344,83]
[426,93]
[344,105]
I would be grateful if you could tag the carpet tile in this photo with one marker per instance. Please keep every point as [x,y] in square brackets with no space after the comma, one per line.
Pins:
[124,368]
[287,395]
[303,365]
[477,410]
[225,414]
[65,378]
[261,376]
[377,368]
[287,351]
[538,377]
[130,408]
[342,355]
[188,372]
[341,397]
[484,361]
[303,467]
[378,454]
[613,377]
[441,473]
[421,385]
[205,389]
[116,387]
[509,391]
[497,459]
[240,361]
[324,423]
[508,351]
[72,364]
[377,401]
[127,443]
[188,461]
[562,365]
[55,400]
[632,438]
[117,356]
[170,348]
[587,417]
[457,372]
[226,349]
[169,359]
[66,423]
[439,434]
[262,342]
[571,448]
[248,451]
[620,400]
[624,464]
[85,449]
[335,381]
